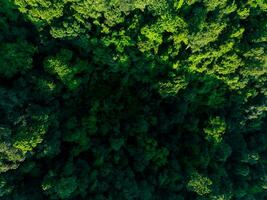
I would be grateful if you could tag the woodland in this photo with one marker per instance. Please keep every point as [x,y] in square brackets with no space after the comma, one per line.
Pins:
[133,100]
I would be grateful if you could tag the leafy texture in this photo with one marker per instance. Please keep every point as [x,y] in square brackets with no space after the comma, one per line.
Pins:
[133,100]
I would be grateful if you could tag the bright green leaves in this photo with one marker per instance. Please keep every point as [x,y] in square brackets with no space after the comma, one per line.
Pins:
[256,63]
[10,157]
[258,3]
[172,87]
[95,10]
[15,58]
[243,13]
[31,134]
[90,9]
[120,40]
[215,130]
[178,40]
[199,184]
[77,17]
[158,7]
[221,63]
[27,137]
[61,66]
[204,61]
[170,24]
[67,30]
[238,33]
[228,65]
[21,130]
[208,34]
[40,11]
[213,4]
[45,13]
[154,34]
[154,39]
[178,4]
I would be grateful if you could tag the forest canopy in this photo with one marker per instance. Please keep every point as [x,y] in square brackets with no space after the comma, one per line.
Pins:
[133,99]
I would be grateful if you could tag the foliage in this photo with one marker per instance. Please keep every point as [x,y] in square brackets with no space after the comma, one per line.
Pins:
[199,184]
[133,99]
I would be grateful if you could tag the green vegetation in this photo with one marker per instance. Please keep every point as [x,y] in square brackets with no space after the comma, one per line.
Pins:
[133,99]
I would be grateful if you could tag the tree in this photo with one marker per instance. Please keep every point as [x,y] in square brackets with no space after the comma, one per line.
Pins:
[133,99]
[15,58]
[199,184]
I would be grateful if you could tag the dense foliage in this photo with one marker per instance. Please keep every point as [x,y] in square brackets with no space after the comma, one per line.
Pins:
[133,99]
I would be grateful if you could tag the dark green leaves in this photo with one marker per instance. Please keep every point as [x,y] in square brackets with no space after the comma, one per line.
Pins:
[15,58]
